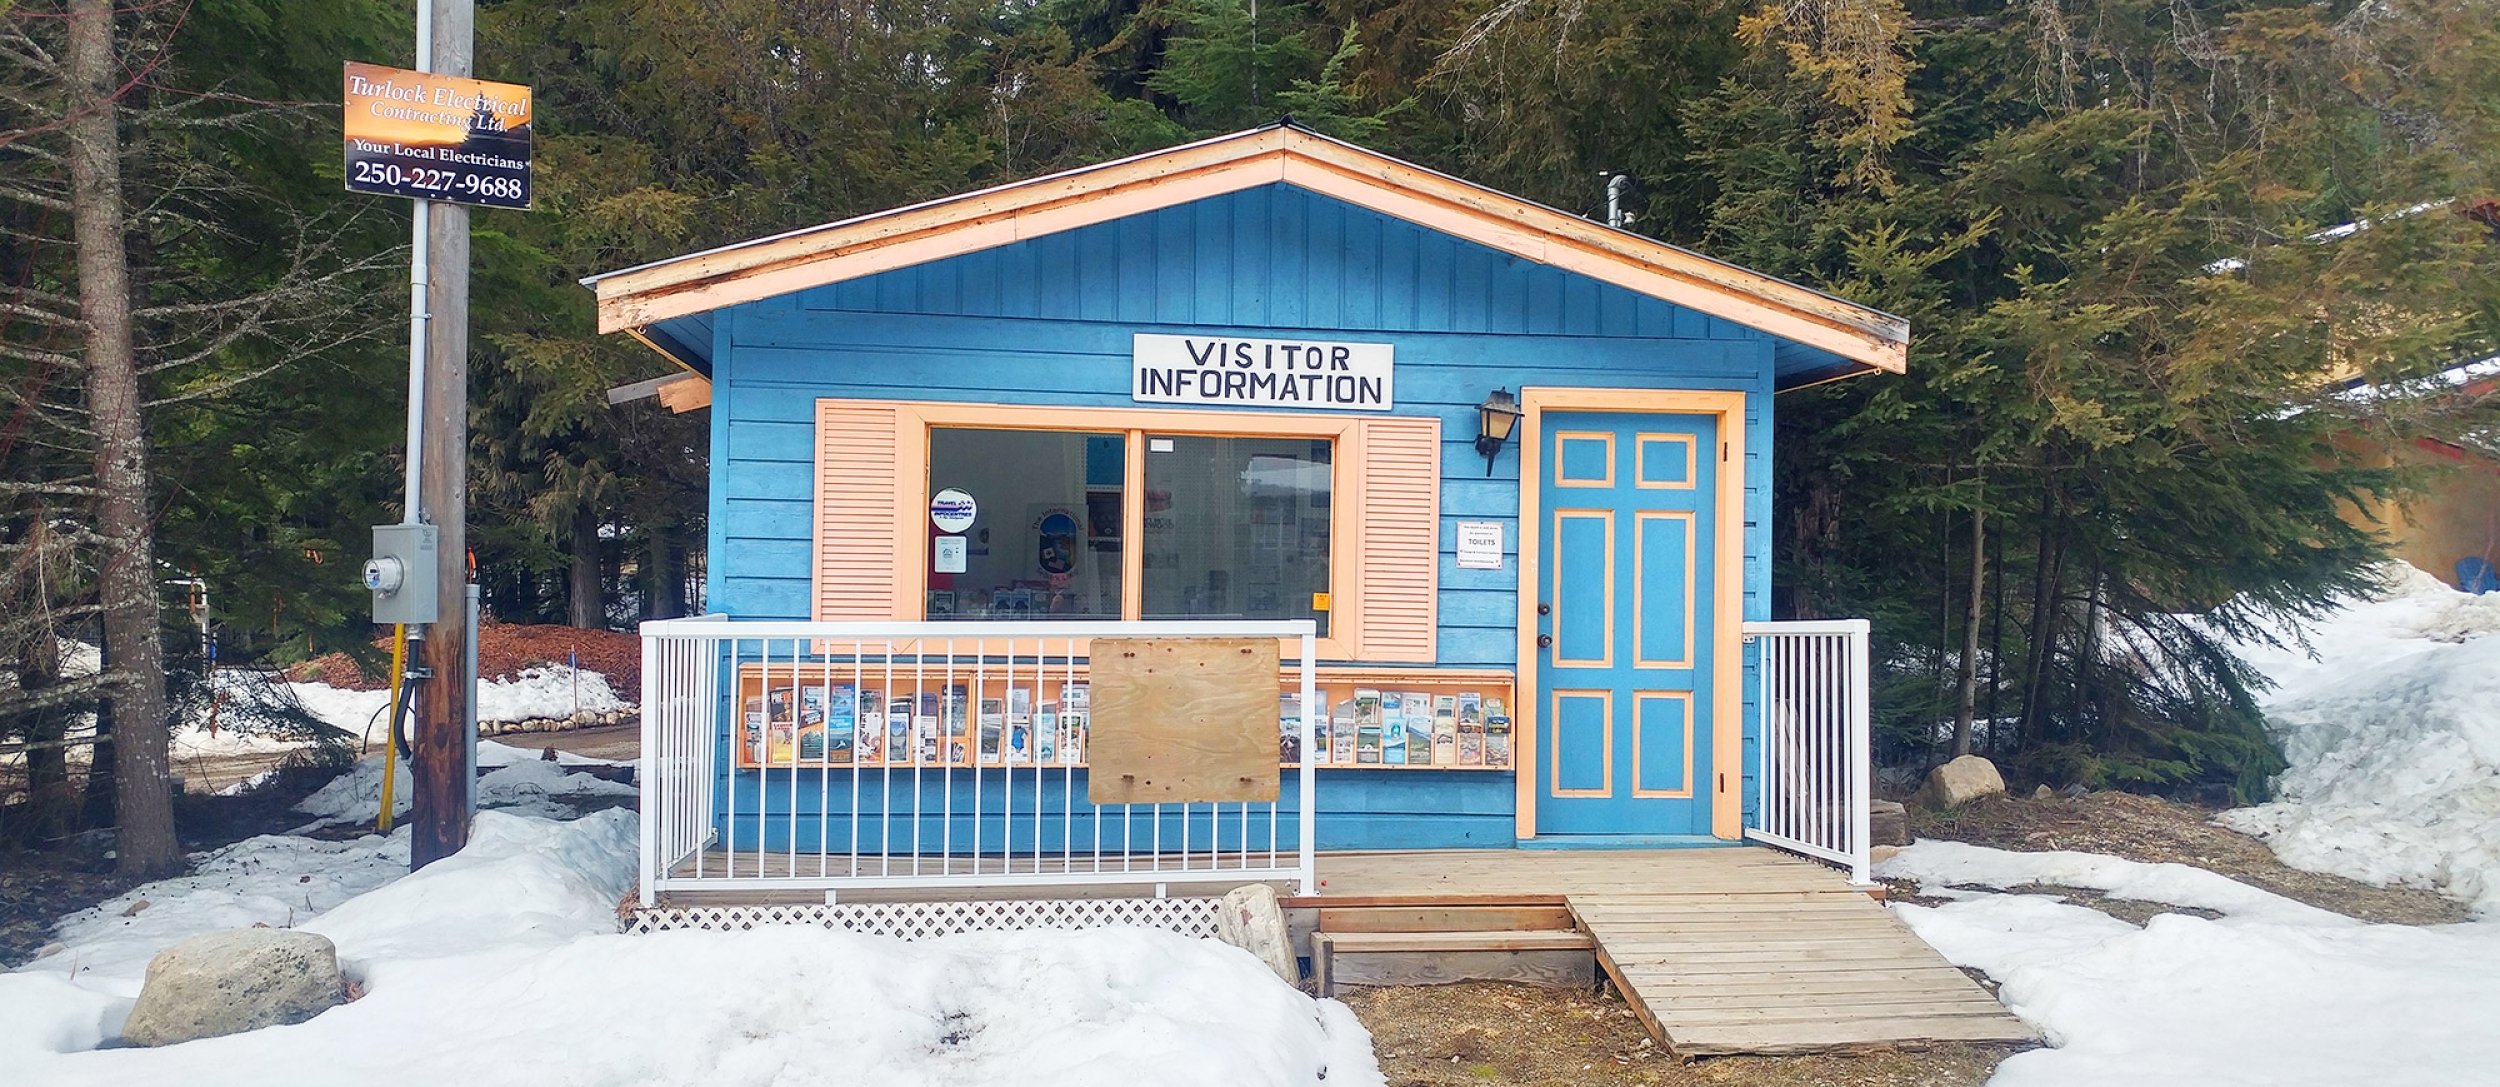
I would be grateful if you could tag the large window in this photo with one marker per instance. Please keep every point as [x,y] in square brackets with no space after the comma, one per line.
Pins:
[1237,528]
[1228,527]
[1044,537]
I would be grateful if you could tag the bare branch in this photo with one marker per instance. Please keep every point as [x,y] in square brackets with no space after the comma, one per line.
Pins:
[28,197]
[40,315]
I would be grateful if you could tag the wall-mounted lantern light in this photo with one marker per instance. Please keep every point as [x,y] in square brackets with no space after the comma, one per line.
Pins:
[1494,420]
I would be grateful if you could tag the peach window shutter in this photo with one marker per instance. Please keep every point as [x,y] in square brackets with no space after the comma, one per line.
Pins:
[1396,602]
[858,531]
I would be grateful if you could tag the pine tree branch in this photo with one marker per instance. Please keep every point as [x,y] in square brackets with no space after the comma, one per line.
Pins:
[40,315]
[25,196]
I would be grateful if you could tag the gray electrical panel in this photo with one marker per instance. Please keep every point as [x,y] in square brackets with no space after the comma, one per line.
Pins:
[401,574]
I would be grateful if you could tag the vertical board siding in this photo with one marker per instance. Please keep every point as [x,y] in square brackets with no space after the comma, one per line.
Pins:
[857,529]
[1400,529]
[1048,322]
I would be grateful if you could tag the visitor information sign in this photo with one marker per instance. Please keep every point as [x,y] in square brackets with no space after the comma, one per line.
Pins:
[1231,370]
[437,137]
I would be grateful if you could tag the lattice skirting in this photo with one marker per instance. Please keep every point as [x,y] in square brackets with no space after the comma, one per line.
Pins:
[924,920]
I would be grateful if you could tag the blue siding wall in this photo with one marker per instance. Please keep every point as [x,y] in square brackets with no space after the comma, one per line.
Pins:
[1049,321]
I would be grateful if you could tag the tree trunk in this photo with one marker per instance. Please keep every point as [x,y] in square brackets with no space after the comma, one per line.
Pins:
[127,580]
[587,609]
[1970,633]
[662,598]
[52,803]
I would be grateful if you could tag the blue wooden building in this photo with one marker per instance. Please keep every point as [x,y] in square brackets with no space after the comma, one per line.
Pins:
[1514,464]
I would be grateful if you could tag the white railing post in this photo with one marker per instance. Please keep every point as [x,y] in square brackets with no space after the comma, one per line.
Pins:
[1861,755]
[652,773]
[1305,780]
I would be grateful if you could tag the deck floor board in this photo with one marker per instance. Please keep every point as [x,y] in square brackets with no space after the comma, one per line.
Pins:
[1720,951]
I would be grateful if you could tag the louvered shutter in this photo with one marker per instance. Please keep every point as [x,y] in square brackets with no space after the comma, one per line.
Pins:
[1400,533]
[859,530]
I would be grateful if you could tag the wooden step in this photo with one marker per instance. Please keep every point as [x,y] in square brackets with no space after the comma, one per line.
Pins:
[1556,959]
[1443,918]
[1497,940]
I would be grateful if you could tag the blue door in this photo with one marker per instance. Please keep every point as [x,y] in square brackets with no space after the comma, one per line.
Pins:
[1626,509]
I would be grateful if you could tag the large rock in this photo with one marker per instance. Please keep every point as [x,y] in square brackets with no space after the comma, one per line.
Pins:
[1251,919]
[1887,823]
[1959,782]
[234,981]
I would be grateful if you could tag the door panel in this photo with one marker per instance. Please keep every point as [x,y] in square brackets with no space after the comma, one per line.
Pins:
[1628,504]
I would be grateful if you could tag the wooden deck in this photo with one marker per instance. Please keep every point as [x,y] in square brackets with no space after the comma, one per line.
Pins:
[1718,950]
[1736,950]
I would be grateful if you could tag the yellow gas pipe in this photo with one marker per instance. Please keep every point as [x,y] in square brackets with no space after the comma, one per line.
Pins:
[390,741]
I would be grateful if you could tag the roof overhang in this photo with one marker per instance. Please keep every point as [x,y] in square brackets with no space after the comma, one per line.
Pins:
[636,299]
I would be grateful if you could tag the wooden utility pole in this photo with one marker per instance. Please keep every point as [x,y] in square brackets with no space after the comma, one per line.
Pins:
[440,819]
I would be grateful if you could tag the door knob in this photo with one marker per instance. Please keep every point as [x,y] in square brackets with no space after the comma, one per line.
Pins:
[1544,641]
[1544,609]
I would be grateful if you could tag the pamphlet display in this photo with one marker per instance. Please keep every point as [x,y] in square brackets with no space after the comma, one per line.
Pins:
[813,720]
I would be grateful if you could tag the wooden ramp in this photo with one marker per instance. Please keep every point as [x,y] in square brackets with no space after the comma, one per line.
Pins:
[1733,950]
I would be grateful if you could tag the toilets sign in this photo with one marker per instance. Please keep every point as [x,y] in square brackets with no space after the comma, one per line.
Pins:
[1232,371]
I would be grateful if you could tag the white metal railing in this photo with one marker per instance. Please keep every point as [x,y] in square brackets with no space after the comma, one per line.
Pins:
[1816,740]
[750,781]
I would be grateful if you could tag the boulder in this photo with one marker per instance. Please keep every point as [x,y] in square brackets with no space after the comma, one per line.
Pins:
[1959,782]
[1888,823]
[1251,919]
[229,982]
[2044,793]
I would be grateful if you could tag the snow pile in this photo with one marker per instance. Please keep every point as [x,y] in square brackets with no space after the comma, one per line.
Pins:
[2393,736]
[539,692]
[508,949]
[1941,866]
[515,779]
[273,880]
[2261,996]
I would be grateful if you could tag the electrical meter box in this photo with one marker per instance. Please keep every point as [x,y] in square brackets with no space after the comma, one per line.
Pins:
[401,574]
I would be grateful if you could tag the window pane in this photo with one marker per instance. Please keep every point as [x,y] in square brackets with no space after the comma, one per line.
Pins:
[1236,528]
[1045,540]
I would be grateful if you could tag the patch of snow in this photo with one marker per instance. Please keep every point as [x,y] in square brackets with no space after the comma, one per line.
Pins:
[538,692]
[515,778]
[275,880]
[2392,733]
[2257,998]
[1941,865]
[509,949]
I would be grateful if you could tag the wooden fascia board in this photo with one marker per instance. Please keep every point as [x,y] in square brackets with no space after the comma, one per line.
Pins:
[1627,260]
[965,224]
[1136,186]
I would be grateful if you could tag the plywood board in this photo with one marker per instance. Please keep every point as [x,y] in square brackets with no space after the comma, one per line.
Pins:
[1183,720]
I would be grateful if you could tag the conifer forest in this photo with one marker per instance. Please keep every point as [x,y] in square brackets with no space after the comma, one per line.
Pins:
[2178,273]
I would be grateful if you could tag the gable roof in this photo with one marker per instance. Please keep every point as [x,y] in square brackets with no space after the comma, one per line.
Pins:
[634,299]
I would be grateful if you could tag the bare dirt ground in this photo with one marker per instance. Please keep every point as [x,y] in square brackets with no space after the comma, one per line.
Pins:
[2151,829]
[1489,1034]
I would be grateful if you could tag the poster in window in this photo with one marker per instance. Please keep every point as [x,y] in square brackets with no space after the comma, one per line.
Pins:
[1055,546]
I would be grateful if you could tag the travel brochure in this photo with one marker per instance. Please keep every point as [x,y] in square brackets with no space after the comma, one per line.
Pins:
[838,724]
[1399,728]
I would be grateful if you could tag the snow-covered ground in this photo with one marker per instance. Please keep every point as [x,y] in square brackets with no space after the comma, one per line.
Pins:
[502,965]
[544,691]
[2393,735]
[515,780]
[2274,992]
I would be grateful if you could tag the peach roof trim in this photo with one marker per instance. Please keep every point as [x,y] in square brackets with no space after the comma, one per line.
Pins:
[815,256]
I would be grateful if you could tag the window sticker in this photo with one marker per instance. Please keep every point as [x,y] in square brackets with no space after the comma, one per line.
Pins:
[952,510]
[947,554]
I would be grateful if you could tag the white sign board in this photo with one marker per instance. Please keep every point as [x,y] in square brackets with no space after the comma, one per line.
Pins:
[1225,370]
[952,510]
[947,554]
[1479,545]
